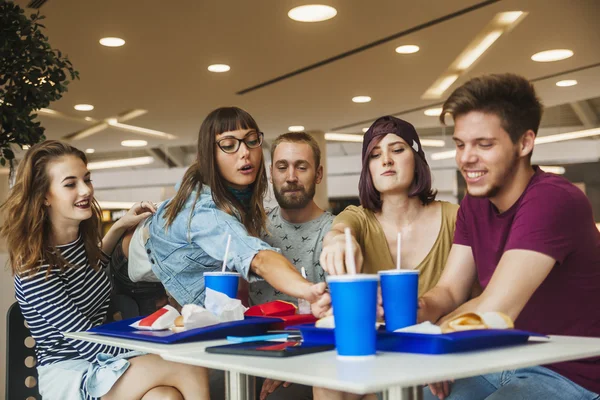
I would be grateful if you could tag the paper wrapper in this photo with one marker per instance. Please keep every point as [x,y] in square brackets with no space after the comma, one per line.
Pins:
[219,308]
[224,307]
[464,322]
[159,320]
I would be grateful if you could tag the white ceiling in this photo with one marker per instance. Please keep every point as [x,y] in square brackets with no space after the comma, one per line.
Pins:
[162,67]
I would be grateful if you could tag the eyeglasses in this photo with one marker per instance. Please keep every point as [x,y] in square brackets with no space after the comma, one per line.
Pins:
[231,145]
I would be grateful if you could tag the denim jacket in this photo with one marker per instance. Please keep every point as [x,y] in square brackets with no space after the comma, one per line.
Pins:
[195,244]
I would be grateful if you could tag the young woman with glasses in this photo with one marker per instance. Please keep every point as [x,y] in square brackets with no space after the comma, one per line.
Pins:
[221,194]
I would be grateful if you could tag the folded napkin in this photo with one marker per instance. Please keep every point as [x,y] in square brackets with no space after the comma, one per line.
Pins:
[218,308]
[464,322]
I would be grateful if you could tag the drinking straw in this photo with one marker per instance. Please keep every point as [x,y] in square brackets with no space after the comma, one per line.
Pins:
[399,251]
[350,264]
[226,253]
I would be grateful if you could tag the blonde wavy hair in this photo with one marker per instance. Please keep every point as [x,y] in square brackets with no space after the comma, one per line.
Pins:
[27,228]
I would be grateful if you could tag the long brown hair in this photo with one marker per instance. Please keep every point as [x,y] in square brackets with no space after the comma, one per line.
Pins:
[204,171]
[27,226]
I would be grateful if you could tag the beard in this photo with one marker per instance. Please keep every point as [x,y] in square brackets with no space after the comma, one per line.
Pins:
[294,201]
[504,176]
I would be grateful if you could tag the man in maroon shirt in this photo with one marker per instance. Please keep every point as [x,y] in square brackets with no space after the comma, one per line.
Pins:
[529,238]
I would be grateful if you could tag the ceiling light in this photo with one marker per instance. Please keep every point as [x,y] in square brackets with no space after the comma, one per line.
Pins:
[83,107]
[552,55]
[440,86]
[482,42]
[566,83]
[509,17]
[467,59]
[343,137]
[433,112]
[89,119]
[46,111]
[112,42]
[443,155]
[219,68]
[26,147]
[295,128]
[312,13]
[407,49]
[361,99]
[365,130]
[134,143]
[139,129]
[90,151]
[553,169]
[432,143]
[561,137]
[115,205]
[126,162]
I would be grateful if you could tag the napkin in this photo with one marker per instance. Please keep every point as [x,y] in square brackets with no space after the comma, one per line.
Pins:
[224,307]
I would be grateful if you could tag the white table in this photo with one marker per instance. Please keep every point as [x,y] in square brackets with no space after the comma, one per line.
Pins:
[398,375]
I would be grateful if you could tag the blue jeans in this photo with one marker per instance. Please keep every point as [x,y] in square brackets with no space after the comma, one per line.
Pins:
[524,383]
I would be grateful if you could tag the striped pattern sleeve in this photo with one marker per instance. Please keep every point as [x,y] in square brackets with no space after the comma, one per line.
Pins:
[74,300]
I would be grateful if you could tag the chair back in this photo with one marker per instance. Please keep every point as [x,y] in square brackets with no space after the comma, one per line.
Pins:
[21,373]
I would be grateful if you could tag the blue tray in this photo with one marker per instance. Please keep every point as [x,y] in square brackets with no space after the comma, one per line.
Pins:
[428,344]
[249,326]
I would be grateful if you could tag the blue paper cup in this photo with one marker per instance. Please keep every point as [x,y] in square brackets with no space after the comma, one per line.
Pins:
[399,290]
[224,282]
[354,300]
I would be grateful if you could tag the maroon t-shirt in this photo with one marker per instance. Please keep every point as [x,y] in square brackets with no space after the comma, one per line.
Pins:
[551,217]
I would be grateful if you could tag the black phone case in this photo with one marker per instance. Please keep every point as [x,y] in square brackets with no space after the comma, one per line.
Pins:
[270,349]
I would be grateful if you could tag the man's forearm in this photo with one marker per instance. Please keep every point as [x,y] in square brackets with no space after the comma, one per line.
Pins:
[279,273]
[485,303]
[435,304]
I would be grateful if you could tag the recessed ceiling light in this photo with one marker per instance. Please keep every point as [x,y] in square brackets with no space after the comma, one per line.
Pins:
[127,162]
[83,107]
[343,137]
[365,130]
[134,143]
[89,119]
[467,59]
[26,147]
[112,42]
[552,55]
[509,17]
[361,99]
[312,13]
[440,86]
[296,128]
[433,112]
[219,68]
[90,151]
[566,83]
[407,49]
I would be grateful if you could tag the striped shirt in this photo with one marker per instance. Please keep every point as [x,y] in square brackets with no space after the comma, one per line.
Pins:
[70,301]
